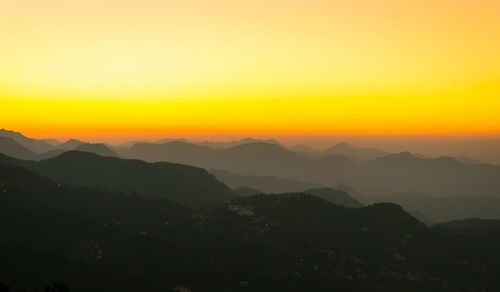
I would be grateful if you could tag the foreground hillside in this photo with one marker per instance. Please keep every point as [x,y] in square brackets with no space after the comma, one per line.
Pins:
[94,240]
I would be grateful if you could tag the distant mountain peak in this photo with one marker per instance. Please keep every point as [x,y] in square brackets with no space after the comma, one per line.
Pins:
[343,145]
[214,144]
[178,144]
[53,142]
[346,149]
[12,148]
[73,141]
[34,145]
[9,131]
[401,156]
[405,154]
[12,134]
[260,145]
[254,140]
[98,148]
[70,144]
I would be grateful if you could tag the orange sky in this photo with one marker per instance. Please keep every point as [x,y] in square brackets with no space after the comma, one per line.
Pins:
[102,68]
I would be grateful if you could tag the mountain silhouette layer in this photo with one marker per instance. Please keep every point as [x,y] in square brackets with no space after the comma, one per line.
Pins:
[98,240]
[402,172]
[267,184]
[34,145]
[346,149]
[99,149]
[11,148]
[446,209]
[180,183]
[335,196]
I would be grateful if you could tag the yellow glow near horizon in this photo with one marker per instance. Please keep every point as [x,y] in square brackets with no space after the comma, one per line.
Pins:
[274,66]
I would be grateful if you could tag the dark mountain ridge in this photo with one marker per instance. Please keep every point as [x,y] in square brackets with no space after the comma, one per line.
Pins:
[335,196]
[95,240]
[99,149]
[180,183]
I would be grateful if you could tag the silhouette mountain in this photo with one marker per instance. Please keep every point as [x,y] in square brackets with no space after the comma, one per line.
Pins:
[401,172]
[180,183]
[468,160]
[246,158]
[50,154]
[219,145]
[279,185]
[71,144]
[99,149]
[335,196]
[394,173]
[346,149]
[11,148]
[352,192]
[461,159]
[171,152]
[470,225]
[267,184]
[402,157]
[421,217]
[303,148]
[443,176]
[79,235]
[53,142]
[129,144]
[246,191]
[97,240]
[300,210]
[34,145]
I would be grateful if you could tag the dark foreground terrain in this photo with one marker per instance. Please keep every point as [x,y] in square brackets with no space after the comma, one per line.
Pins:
[101,240]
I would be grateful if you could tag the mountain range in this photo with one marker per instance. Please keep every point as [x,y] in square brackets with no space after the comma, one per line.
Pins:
[14,148]
[179,183]
[272,168]
[99,240]
[266,184]
[345,149]
[402,172]
[334,196]
[99,149]
[38,146]
[445,209]
[10,147]
[124,219]
[219,145]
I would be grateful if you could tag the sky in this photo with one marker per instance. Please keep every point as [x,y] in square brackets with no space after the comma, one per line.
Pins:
[102,69]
